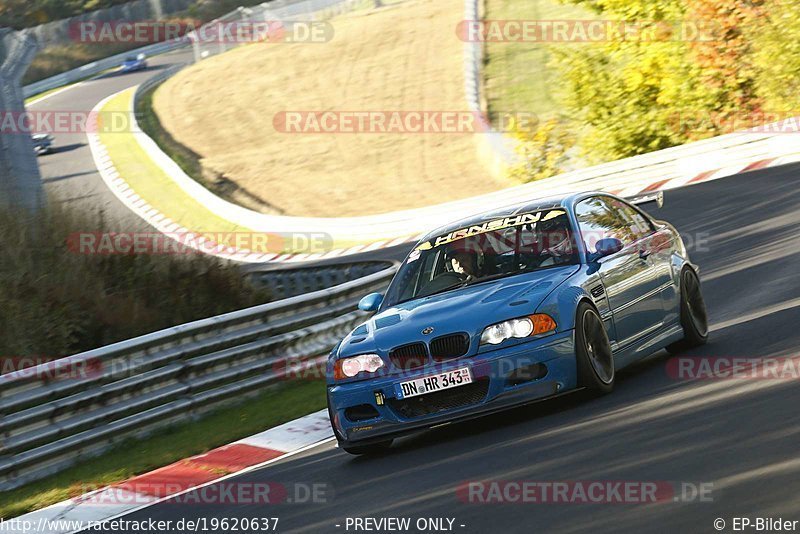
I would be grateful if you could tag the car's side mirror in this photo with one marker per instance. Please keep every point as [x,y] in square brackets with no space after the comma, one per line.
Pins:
[371,302]
[607,247]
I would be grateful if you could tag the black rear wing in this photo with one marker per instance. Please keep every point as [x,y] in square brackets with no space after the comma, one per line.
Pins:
[656,197]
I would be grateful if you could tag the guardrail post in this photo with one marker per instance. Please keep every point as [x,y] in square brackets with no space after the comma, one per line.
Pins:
[20,181]
[158,11]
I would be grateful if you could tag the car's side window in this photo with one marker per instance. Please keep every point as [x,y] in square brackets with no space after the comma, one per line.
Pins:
[599,220]
[640,225]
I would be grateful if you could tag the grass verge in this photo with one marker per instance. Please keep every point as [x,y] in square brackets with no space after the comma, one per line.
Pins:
[273,407]
[187,159]
[151,183]
[190,161]
[381,60]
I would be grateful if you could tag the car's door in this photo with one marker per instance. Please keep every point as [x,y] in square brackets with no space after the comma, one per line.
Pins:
[653,242]
[630,279]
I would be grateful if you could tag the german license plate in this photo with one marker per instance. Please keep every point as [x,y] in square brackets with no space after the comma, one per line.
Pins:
[433,383]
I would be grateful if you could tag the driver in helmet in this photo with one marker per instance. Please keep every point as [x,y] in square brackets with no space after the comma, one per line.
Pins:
[464,263]
[556,240]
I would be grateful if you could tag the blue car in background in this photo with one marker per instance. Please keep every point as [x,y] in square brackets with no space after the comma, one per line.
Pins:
[512,306]
[134,63]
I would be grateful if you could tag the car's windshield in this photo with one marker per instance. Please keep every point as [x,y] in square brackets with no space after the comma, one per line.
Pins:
[485,251]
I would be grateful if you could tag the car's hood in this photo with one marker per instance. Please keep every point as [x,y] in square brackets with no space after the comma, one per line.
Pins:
[469,309]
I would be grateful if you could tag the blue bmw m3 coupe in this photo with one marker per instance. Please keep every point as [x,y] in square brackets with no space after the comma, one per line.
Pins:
[512,306]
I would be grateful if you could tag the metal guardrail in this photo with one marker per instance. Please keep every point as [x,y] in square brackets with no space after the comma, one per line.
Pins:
[101,65]
[153,81]
[288,282]
[56,414]
[96,67]
[277,9]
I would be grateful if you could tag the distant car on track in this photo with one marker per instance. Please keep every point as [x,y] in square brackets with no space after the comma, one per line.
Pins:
[509,307]
[42,143]
[134,63]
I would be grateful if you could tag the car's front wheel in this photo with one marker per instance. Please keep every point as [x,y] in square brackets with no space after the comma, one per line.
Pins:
[694,319]
[593,351]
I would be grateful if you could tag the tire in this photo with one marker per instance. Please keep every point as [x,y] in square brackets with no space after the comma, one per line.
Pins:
[371,449]
[694,318]
[593,354]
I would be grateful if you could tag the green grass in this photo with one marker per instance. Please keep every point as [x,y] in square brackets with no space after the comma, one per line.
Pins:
[151,183]
[274,407]
[145,177]
[517,75]
[187,159]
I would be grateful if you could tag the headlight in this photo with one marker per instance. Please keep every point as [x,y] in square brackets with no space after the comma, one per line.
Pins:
[350,367]
[533,325]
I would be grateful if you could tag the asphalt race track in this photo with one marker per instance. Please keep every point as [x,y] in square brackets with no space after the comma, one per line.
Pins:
[740,435]
[69,173]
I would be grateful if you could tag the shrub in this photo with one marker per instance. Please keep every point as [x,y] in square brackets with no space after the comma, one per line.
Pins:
[55,302]
[543,149]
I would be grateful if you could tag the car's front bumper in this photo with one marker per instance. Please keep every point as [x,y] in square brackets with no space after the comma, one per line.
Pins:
[492,371]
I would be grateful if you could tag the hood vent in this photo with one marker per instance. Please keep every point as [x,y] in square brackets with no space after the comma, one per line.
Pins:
[389,320]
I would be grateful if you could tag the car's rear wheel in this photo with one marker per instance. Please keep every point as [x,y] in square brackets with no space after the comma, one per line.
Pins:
[694,319]
[593,351]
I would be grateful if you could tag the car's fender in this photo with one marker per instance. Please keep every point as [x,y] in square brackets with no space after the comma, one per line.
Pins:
[563,301]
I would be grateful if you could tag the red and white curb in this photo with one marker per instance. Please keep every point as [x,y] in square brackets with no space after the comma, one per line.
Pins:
[180,477]
[704,176]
